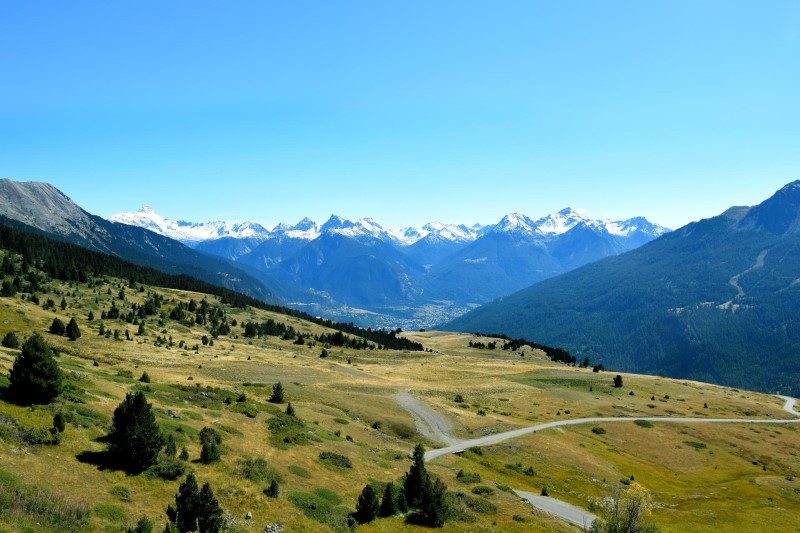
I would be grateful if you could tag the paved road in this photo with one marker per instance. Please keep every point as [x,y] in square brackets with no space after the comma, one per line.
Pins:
[563,510]
[462,445]
[437,427]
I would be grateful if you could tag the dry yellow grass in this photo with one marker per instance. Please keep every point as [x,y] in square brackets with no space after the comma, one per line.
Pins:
[693,489]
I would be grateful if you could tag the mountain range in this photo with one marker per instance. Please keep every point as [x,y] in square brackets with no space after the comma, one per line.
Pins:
[717,300]
[412,276]
[41,208]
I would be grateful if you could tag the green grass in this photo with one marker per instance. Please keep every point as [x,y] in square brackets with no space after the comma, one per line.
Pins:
[324,509]
[335,460]
[299,471]
[257,470]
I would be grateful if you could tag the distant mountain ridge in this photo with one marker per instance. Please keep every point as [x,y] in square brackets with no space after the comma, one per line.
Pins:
[717,300]
[415,275]
[40,207]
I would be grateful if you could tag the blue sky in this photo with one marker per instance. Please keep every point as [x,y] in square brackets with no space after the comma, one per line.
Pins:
[404,111]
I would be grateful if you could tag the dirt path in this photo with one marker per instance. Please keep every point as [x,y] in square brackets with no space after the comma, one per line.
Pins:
[734,281]
[435,426]
[430,424]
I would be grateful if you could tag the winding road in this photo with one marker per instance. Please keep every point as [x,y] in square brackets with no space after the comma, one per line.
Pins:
[437,427]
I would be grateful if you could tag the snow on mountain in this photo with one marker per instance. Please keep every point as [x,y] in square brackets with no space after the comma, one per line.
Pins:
[190,232]
[548,227]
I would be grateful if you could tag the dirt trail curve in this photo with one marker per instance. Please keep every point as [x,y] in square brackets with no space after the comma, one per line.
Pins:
[734,281]
[435,426]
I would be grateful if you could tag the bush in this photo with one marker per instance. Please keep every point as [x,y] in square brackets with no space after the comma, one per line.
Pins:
[322,510]
[144,525]
[11,340]
[145,377]
[257,470]
[335,460]
[468,477]
[618,381]
[134,439]
[168,468]
[598,431]
[35,504]
[482,490]
[35,377]
[643,423]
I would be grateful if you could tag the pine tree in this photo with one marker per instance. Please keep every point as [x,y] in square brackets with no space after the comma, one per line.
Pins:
[57,327]
[141,328]
[186,505]
[416,480]
[102,330]
[134,439]
[90,316]
[290,409]
[145,377]
[59,422]
[11,340]
[618,381]
[184,456]
[144,525]
[35,376]
[277,393]
[209,512]
[367,506]
[272,490]
[72,330]
[210,442]
[63,303]
[170,448]
[434,503]
[388,502]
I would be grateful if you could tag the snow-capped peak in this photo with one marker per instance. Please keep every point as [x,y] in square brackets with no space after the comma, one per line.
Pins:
[306,229]
[561,222]
[190,232]
[515,223]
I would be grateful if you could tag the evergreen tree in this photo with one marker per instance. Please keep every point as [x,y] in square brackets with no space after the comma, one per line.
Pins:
[134,439]
[57,327]
[367,506]
[389,505]
[277,393]
[72,330]
[102,330]
[141,328]
[170,448]
[434,503]
[11,340]
[272,490]
[618,381]
[59,422]
[63,303]
[35,376]
[187,505]
[90,316]
[416,480]
[290,409]
[144,525]
[211,443]
[145,377]
[209,512]
[184,456]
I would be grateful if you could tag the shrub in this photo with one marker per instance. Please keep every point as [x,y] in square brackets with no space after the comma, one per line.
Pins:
[322,510]
[257,470]
[618,381]
[121,492]
[35,377]
[168,468]
[134,439]
[11,340]
[643,423]
[468,477]
[459,398]
[598,431]
[335,460]
[145,377]
[482,490]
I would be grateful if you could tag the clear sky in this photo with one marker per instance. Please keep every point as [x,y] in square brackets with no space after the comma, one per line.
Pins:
[404,111]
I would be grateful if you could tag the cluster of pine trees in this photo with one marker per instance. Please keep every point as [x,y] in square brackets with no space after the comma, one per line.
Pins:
[69,262]
[421,495]
[274,328]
